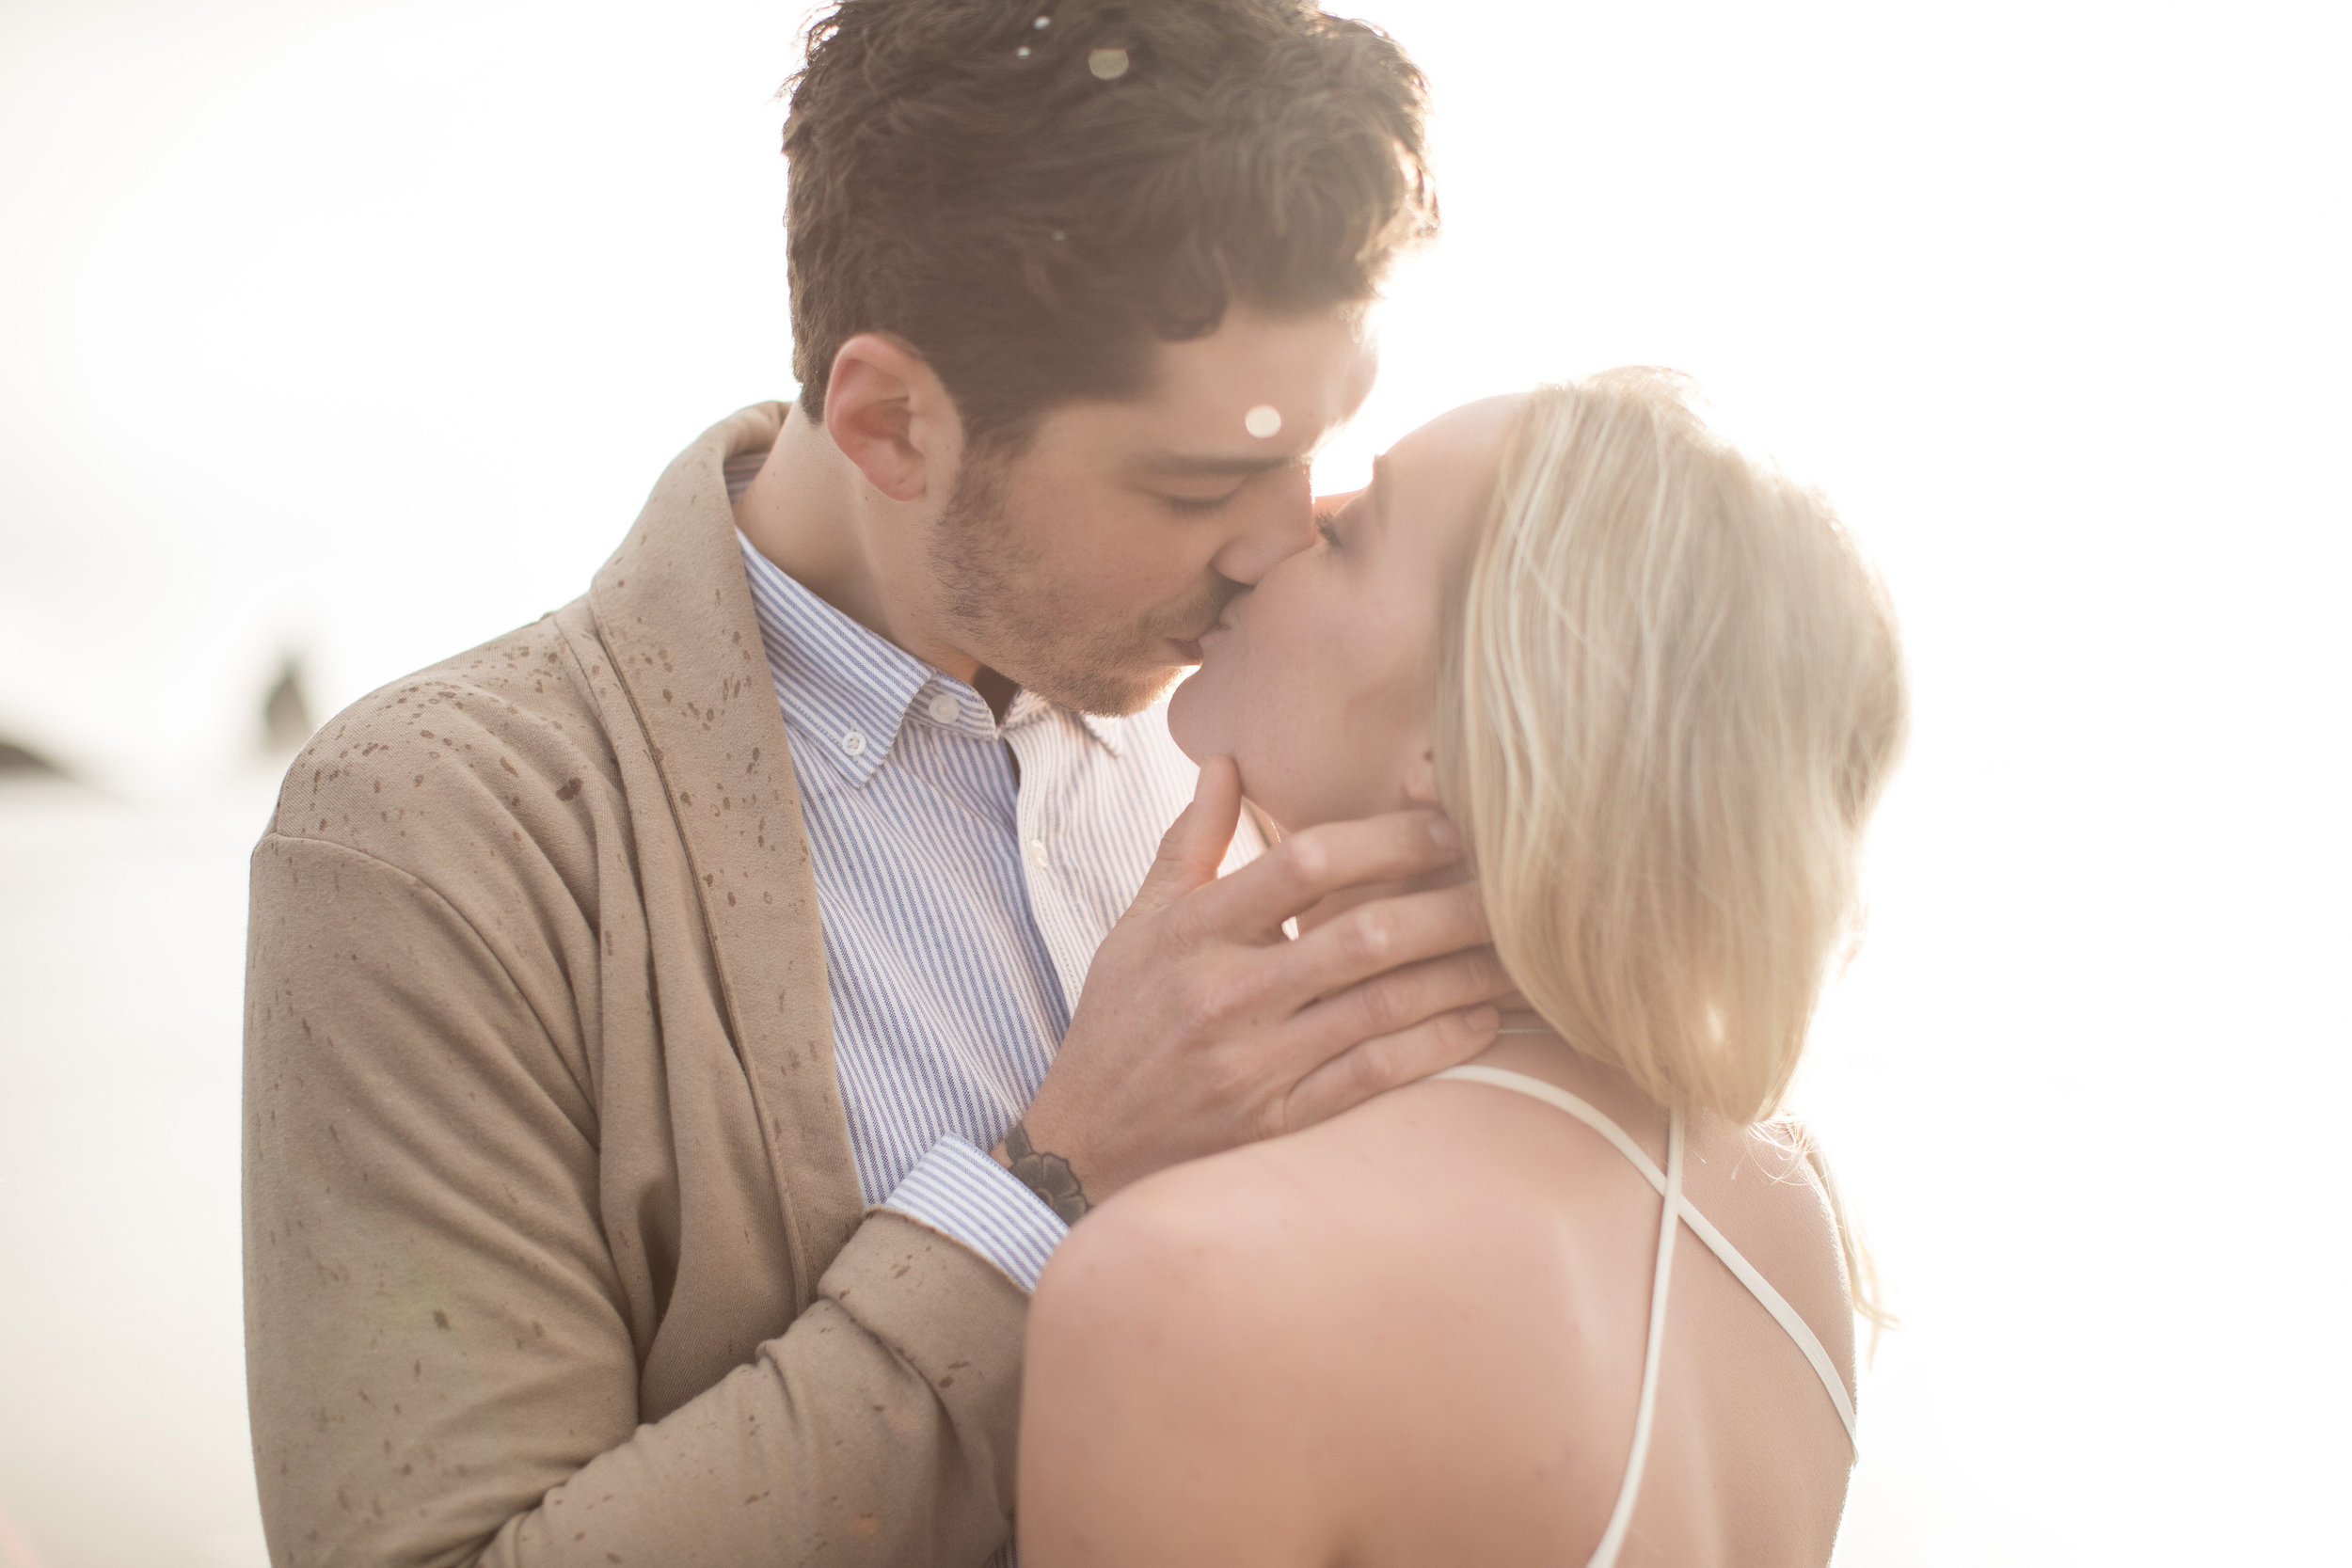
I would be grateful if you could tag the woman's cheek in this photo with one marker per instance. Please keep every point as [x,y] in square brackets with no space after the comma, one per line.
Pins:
[1285,735]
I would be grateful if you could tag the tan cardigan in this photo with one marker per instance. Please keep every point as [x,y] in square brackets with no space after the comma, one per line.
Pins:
[554,1248]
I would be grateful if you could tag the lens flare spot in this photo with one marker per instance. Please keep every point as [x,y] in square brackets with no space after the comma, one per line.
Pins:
[1107,64]
[1263,420]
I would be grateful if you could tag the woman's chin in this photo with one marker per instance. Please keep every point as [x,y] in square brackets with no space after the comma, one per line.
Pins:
[1196,722]
[1186,723]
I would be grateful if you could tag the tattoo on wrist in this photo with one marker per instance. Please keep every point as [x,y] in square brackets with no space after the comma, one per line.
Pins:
[1049,1176]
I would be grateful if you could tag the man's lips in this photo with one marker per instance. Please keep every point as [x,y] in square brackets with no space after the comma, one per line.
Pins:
[1192,646]
[1195,646]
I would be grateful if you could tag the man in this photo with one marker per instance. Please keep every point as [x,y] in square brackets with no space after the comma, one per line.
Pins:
[635,1001]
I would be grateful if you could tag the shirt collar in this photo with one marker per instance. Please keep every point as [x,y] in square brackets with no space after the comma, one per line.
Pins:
[1110,731]
[847,691]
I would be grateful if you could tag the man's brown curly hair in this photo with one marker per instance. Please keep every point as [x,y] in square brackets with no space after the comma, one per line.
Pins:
[1030,193]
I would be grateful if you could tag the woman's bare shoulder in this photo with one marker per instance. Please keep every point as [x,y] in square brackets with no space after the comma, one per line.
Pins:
[1229,1230]
[1203,1295]
[1278,1241]
[1197,1356]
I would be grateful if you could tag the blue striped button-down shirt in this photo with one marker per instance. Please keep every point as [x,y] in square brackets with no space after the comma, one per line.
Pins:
[965,872]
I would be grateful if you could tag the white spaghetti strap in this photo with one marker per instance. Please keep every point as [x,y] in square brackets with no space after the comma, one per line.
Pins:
[1770,1299]
[1645,1414]
[1783,1314]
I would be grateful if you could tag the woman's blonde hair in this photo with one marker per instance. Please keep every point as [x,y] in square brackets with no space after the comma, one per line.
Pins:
[1670,694]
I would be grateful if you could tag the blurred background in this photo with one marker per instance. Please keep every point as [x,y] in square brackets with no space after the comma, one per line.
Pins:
[338,335]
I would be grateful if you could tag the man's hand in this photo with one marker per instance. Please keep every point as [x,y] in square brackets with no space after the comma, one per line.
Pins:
[1204,1026]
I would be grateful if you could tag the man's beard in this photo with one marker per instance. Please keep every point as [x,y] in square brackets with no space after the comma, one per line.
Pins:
[996,601]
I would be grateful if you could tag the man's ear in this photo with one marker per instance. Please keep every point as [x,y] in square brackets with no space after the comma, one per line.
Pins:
[889,414]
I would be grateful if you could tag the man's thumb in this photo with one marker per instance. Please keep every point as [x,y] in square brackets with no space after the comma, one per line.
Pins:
[1195,845]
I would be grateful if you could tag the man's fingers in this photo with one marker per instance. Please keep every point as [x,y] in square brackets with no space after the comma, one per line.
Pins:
[1396,1001]
[1388,1062]
[1195,844]
[1307,868]
[1381,935]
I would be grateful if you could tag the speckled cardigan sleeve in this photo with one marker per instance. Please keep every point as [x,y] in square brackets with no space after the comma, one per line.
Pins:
[555,1254]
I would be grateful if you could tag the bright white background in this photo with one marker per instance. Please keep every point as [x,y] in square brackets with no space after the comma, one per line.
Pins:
[360,330]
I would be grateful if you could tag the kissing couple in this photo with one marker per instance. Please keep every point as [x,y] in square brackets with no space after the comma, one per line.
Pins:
[808,1054]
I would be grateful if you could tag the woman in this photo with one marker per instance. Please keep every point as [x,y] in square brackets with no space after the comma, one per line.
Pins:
[1659,692]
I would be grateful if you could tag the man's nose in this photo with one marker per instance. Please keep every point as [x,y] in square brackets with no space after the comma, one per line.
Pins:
[1279,523]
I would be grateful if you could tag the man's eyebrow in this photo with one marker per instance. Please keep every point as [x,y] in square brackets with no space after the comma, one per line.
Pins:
[1177,465]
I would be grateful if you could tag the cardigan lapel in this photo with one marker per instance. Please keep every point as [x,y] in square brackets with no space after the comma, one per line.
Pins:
[675,611]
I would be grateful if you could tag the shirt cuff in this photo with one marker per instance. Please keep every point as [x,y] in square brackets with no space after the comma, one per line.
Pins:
[960,1190]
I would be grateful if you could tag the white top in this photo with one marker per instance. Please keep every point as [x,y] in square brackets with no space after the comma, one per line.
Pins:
[1675,1210]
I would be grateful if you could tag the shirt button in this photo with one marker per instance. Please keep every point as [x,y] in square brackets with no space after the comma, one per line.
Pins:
[945,709]
[855,743]
[1037,855]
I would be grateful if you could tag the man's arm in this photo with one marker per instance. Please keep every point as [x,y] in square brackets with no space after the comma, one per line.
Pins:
[444,1364]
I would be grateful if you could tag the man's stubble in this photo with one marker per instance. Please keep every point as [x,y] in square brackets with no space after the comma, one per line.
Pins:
[996,595]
